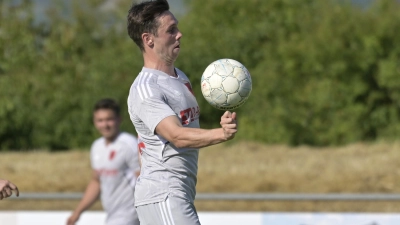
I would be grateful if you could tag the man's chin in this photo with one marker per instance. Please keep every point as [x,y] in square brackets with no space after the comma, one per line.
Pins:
[176,51]
[108,136]
[176,54]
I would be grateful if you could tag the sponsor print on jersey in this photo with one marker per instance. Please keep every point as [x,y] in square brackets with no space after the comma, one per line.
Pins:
[189,115]
[143,86]
[141,146]
[106,172]
[112,155]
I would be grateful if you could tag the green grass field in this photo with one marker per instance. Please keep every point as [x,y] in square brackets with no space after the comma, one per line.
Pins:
[233,167]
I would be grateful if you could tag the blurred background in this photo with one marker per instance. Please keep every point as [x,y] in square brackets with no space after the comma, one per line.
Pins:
[323,115]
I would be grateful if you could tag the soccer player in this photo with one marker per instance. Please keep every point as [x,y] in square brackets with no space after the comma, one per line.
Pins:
[165,114]
[114,159]
[6,189]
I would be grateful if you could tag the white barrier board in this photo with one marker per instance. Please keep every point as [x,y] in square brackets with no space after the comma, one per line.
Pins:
[212,218]
[330,219]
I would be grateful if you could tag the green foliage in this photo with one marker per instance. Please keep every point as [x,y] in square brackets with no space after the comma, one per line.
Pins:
[324,72]
[52,75]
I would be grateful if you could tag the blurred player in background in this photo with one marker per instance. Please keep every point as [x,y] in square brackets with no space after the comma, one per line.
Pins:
[115,163]
[6,189]
[165,114]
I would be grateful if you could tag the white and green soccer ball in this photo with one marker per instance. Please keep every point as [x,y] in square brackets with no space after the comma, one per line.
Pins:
[226,84]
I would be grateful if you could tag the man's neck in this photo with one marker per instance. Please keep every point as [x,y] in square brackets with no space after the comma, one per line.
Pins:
[112,139]
[160,65]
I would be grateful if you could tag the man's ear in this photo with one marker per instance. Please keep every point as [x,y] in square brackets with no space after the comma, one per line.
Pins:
[148,39]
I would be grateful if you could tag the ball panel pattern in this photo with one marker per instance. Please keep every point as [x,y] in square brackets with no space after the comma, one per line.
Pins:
[230,85]
[226,84]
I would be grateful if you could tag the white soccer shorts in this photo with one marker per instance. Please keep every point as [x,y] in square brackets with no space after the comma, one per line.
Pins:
[172,211]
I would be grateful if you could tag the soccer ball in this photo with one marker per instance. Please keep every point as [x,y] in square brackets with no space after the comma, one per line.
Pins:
[226,84]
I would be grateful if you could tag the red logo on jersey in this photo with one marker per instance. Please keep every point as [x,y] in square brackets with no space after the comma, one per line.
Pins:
[140,147]
[189,115]
[106,172]
[187,84]
[112,154]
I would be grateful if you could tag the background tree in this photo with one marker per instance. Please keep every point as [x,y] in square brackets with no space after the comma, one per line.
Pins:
[324,72]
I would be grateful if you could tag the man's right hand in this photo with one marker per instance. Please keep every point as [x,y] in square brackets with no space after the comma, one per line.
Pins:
[229,124]
[6,189]
[73,219]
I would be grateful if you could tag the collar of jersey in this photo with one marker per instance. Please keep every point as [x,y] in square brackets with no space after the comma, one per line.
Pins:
[145,69]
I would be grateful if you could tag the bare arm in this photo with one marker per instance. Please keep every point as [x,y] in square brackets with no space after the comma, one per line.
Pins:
[92,193]
[184,137]
[6,189]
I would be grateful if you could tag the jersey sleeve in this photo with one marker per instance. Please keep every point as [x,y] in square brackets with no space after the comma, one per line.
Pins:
[92,155]
[148,103]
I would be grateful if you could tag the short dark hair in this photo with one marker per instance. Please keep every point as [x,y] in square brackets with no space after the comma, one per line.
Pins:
[108,103]
[142,18]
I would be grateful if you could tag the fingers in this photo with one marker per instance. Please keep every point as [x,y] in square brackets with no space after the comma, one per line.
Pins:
[8,191]
[234,116]
[227,114]
[12,186]
[4,193]
[15,188]
[228,117]
[229,124]
[229,131]
[16,192]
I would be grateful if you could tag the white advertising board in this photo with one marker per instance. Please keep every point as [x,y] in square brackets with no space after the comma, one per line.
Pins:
[212,218]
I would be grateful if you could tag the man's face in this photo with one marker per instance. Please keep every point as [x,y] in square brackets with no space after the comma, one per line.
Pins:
[106,122]
[167,41]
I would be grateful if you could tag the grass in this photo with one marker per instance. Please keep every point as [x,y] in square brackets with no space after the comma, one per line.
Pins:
[234,167]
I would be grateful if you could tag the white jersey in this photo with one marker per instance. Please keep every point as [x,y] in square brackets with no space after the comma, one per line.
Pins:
[116,164]
[166,170]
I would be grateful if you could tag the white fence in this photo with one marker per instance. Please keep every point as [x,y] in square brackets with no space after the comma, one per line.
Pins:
[242,196]
[221,218]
